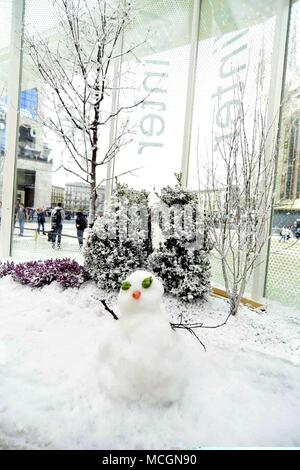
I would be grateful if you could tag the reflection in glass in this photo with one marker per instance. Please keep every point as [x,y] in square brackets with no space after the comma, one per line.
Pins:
[284,259]
[42,182]
[159,75]
[233,69]
[5,27]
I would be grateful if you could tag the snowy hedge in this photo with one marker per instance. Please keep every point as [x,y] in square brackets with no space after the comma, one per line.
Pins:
[67,272]
[119,242]
[181,262]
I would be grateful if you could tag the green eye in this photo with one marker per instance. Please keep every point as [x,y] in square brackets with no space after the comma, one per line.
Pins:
[125,285]
[147,282]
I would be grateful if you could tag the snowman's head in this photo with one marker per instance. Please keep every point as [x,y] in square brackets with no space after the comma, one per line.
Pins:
[140,292]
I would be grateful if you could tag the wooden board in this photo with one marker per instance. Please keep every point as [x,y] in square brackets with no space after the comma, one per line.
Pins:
[216,292]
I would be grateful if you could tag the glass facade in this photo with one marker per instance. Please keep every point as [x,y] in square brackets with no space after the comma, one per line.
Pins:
[159,76]
[284,253]
[234,62]
[235,43]
[39,185]
[5,33]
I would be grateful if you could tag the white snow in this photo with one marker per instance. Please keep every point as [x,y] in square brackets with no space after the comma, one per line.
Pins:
[244,391]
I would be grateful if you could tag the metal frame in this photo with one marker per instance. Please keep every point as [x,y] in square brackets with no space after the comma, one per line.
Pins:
[114,122]
[12,126]
[273,116]
[279,131]
[190,94]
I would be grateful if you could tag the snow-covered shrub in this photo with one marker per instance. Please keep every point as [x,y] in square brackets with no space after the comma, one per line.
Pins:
[120,241]
[67,272]
[181,262]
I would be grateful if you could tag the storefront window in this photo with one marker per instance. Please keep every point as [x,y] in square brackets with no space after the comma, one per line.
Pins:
[46,174]
[284,258]
[233,69]
[5,26]
[234,66]
[158,75]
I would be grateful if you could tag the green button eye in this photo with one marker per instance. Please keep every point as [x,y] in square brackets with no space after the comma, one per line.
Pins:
[125,285]
[147,282]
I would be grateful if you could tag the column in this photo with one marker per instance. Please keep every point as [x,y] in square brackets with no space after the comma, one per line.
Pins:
[12,126]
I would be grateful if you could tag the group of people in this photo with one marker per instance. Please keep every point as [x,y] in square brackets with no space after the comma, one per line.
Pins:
[23,214]
[57,217]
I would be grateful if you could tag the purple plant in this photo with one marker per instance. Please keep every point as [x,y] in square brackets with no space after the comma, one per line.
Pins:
[67,272]
[6,268]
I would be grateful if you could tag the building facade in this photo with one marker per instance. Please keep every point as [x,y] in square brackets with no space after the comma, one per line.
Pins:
[287,195]
[57,195]
[34,165]
[77,197]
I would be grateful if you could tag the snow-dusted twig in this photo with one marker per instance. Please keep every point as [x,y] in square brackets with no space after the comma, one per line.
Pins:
[200,325]
[191,326]
[103,301]
[184,326]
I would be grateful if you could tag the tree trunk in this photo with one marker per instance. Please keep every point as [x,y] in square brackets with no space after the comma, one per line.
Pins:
[92,208]
[93,174]
[234,299]
[234,305]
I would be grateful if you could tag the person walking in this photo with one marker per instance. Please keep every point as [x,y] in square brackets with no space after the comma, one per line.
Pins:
[81,225]
[41,219]
[21,216]
[57,217]
[283,234]
[289,233]
[17,205]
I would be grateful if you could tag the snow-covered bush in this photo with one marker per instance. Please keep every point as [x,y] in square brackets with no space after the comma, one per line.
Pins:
[67,272]
[120,241]
[181,261]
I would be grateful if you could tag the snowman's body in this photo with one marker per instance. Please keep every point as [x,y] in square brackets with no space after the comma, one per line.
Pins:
[143,358]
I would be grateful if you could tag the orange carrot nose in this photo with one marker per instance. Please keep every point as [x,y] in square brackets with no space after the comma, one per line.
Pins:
[136,294]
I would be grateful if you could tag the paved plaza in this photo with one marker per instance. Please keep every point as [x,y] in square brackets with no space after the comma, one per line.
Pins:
[283,272]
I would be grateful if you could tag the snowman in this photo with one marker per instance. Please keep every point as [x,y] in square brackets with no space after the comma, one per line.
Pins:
[141,356]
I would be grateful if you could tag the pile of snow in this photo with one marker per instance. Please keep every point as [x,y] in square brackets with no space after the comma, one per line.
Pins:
[244,391]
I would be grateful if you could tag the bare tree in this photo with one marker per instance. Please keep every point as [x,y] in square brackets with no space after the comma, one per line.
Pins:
[238,194]
[79,69]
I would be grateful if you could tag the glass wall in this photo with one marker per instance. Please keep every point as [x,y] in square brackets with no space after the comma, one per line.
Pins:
[284,257]
[34,163]
[233,69]
[234,64]
[5,27]
[49,167]
[157,75]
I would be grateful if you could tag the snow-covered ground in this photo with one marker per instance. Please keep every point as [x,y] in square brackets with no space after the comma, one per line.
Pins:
[244,391]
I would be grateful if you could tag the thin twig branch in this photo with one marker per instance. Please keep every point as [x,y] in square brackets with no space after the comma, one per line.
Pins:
[183,326]
[103,301]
